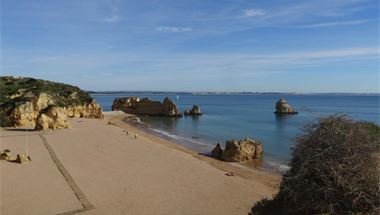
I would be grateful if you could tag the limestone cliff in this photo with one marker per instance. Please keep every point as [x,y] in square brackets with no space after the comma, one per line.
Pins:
[23,100]
[52,118]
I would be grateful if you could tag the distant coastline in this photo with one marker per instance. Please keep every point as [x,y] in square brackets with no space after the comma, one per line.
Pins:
[223,93]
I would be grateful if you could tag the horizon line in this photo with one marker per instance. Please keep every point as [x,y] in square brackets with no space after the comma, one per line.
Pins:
[221,92]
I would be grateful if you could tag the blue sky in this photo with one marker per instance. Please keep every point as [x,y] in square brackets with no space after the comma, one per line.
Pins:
[197,45]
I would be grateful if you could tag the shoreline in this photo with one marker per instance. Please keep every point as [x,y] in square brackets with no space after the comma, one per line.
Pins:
[265,164]
[249,170]
[116,173]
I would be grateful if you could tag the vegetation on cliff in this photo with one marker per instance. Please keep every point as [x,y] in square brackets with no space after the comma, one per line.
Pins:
[19,89]
[334,170]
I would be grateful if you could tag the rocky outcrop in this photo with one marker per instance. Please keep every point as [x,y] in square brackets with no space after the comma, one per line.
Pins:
[22,159]
[5,155]
[25,114]
[89,110]
[52,118]
[217,152]
[23,100]
[238,151]
[282,107]
[145,106]
[195,111]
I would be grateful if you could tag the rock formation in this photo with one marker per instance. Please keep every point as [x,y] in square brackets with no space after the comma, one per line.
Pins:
[217,152]
[195,111]
[52,118]
[282,107]
[89,110]
[5,155]
[24,100]
[22,159]
[145,106]
[238,151]
[25,114]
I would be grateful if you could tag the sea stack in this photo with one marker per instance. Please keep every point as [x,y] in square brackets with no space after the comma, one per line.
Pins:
[238,151]
[282,107]
[146,107]
[195,111]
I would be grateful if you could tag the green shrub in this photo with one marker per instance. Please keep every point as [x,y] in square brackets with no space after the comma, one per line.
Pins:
[61,93]
[4,120]
[334,170]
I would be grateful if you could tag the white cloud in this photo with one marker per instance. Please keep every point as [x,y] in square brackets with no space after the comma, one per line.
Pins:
[254,12]
[173,29]
[331,24]
[111,19]
[338,53]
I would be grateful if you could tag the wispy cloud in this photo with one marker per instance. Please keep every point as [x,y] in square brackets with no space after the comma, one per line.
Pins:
[333,24]
[254,12]
[114,16]
[333,53]
[142,69]
[173,29]
[202,61]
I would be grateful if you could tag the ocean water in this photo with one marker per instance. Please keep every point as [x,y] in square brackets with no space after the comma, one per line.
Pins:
[238,116]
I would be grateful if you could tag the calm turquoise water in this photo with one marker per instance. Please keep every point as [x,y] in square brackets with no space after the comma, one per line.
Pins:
[239,116]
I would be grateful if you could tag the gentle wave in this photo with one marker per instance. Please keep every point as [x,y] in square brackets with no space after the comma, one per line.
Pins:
[279,166]
[176,137]
[138,120]
[166,134]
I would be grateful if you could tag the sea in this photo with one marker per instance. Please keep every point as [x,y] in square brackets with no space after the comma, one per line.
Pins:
[237,116]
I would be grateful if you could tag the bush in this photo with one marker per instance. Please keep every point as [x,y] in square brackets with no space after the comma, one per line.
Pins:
[334,170]
[4,120]
[60,93]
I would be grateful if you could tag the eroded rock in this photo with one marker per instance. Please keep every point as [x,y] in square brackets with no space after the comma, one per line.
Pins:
[238,151]
[217,152]
[282,107]
[195,111]
[52,118]
[22,159]
[25,114]
[145,106]
[89,110]
[5,155]
[23,99]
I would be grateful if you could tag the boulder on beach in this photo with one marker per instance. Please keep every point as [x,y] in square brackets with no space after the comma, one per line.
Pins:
[195,111]
[282,107]
[217,152]
[22,159]
[5,155]
[238,151]
[146,107]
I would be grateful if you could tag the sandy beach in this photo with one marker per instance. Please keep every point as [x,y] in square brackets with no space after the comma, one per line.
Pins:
[96,168]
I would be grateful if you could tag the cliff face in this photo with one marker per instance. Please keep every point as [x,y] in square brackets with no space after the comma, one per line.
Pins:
[145,106]
[30,102]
